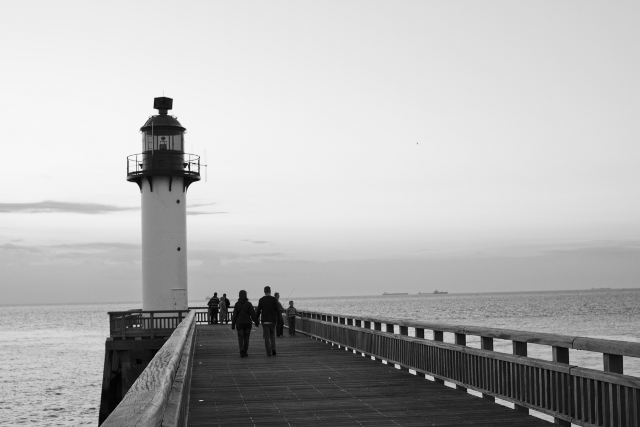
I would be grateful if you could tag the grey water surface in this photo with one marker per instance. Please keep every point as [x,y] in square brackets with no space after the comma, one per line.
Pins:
[52,355]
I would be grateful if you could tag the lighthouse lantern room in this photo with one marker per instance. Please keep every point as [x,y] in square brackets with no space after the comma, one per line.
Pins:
[163,171]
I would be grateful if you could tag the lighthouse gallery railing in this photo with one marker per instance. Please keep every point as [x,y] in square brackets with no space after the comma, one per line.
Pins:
[569,393]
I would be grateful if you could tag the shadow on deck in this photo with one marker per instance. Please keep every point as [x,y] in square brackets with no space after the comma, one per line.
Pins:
[311,383]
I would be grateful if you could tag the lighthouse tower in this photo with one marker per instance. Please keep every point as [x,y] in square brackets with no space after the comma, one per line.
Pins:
[163,171]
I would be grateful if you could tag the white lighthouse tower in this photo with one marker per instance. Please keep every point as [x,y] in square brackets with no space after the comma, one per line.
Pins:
[163,171]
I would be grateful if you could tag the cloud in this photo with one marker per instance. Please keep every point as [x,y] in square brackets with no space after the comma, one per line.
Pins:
[199,205]
[12,247]
[98,253]
[50,206]
[205,213]
[97,246]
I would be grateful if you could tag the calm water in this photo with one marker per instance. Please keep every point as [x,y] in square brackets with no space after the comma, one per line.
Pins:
[52,355]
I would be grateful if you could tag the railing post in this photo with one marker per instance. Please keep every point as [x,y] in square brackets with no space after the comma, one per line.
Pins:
[461,339]
[486,343]
[124,319]
[153,325]
[419,332]
[561,355]
[438,336]
[520,349]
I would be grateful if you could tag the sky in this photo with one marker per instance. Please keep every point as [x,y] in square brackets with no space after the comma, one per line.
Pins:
[352,147]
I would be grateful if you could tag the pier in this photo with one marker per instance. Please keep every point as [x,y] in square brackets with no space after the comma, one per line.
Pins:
[331,374]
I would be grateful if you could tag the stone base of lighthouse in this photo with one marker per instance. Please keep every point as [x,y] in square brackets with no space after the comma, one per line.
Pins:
[164,243]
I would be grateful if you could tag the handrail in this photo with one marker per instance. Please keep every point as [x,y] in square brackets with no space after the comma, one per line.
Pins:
[615,347]
[145,402]
[569,393]
[150,323]
[163,162]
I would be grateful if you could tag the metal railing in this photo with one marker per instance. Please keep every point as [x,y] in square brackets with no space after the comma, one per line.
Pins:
[151,324]
[162,162]
[569,393]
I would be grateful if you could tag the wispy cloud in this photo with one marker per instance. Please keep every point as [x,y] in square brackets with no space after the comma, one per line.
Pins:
[204,213]
[98,253]
[50,206]
[19,248]
[199,205]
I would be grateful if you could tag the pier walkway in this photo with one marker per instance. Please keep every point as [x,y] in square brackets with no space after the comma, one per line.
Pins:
[312,383]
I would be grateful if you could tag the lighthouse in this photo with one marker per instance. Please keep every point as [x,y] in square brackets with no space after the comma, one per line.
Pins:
[163,172]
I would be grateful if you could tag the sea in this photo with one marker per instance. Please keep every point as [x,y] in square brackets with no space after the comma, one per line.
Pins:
[52,356]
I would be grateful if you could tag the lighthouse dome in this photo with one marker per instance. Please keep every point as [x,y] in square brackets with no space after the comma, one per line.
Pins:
[162,121]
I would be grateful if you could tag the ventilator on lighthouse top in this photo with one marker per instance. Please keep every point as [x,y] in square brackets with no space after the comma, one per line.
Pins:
[163,171]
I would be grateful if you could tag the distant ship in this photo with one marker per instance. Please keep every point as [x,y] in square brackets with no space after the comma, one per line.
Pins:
[441,293]
[396,293]
[437,292]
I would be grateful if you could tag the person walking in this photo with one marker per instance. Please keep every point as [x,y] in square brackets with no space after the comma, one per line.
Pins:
[223,309]
[213,304]
[242,319]
[268,313]
[280,324]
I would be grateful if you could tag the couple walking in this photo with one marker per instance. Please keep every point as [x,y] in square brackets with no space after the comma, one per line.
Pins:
[244,316]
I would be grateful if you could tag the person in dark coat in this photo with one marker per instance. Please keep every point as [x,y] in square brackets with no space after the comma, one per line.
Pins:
[242,319]
[280,324]
[226,300]
[213,304]
[268,312]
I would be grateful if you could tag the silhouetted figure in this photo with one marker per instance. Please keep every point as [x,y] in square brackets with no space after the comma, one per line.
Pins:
[214,304]
[242,319]
[224,308]
[268,313]
[291,318]
[280,324]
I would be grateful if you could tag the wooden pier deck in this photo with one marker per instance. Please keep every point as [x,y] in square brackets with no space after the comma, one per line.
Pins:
[311,383]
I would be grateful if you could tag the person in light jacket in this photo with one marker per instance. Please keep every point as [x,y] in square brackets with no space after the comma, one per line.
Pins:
[224,309]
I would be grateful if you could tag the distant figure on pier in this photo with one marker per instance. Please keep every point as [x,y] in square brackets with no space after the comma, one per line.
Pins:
[291,319]
[268,313]
[228,306]
[280,324]
[214,304]
[223,309]
[242,319]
